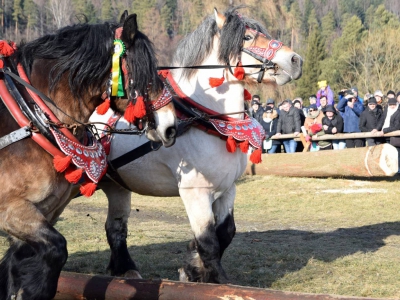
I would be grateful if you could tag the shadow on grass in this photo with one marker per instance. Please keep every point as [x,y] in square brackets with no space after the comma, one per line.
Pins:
[254,258]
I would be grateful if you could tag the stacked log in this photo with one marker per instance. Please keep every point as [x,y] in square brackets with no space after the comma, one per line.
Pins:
[375,161]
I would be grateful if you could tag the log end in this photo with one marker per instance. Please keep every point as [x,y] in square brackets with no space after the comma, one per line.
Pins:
[388,161]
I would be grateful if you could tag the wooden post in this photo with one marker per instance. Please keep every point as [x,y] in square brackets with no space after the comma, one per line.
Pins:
[81,286]
[375,161]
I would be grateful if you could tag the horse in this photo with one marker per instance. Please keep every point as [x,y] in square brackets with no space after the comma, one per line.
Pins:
[70,73]
[199,168]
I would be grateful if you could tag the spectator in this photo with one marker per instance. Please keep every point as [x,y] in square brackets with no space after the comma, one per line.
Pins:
[323,101]
[256,110]
[332,123]
[289,123]
[370,120]
[366,97]
[390,94]
[398,97]
[391,121]
[351,109]
[314,117]
[354,90]
[271,103]
[379,97]
[324,90]
[299,106]
[269,123]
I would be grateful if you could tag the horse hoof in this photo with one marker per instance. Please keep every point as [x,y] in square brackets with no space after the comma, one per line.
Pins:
[182,275]
[132,274]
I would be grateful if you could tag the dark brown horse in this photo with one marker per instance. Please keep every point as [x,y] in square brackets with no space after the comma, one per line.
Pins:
[72,68]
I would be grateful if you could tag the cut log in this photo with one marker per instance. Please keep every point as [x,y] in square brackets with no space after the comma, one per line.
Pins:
[375,161]
[80,286]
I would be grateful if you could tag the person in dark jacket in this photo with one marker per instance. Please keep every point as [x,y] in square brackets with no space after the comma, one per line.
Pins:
[256,111]
[289,123]
[332,123]
[370,120]
[270,123]
[351,109]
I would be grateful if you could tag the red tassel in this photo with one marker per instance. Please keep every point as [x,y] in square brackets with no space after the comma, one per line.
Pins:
[129,113]
[255,157]
[244,146]
[239,71]
[61,163]
[102,108]
[140,108]
[247,95]
[231,144]
[87,189]
[214,82]
[163,73]
[5,49]
[1,64]
[73,175]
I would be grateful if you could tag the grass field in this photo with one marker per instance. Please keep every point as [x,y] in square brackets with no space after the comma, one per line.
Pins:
[336,236]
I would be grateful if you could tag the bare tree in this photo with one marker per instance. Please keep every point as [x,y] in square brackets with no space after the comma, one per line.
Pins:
[61,11]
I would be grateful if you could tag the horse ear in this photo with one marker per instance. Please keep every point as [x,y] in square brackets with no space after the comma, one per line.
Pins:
[123,17]
[219,18]
[130,28]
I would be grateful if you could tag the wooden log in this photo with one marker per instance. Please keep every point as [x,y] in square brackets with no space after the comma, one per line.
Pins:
[338,136]
[80,286]
[375,161]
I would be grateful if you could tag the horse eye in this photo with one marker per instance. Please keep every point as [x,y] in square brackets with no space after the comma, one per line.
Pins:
[248,37]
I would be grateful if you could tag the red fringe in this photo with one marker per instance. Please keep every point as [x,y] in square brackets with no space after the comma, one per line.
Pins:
[102,108]
[247,95]
[140,108]
[214,82]
[73,175]
[129,113]
[5,49]
[231,144]
[61,163]
[239,71]
[244,146]
[255,157]
[1,64]
[87,189]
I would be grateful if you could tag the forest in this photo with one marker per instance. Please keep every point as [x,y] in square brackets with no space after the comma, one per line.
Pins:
[346,42]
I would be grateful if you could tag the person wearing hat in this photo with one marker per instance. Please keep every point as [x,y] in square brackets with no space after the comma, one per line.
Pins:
[324,90]
[370,119]
[379,97]
[271,103]
[289,123]
[269,123]
[351,109]
[332,123]
[256,111]
[314,118]
[390,94]
[354,90]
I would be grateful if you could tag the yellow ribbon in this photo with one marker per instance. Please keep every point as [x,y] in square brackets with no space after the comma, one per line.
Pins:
[116,78]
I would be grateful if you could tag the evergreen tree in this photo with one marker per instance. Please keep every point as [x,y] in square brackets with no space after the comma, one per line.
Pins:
[328,25]
[315,53]
[17,14]
[31,11]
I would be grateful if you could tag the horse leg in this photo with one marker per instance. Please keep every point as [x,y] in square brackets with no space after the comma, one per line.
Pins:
[204,264]
[119,208]
[32,265]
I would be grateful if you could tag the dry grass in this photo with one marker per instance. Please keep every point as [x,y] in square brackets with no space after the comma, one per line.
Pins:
[336,236]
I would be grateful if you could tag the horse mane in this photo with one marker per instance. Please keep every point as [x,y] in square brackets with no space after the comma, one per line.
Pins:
[84,51]
[196,46]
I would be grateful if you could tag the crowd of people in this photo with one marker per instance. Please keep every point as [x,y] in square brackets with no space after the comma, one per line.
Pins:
[348,113]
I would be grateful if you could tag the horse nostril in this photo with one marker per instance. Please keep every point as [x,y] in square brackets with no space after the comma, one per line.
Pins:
[296,60]
[170,132]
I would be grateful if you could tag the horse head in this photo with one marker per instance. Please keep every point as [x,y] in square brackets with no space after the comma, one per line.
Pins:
[279,63]
[73,68]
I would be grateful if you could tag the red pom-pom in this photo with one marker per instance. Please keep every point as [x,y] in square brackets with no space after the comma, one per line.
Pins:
[244,146]
[73,175]
[1,64]
[102,108]
[247,95]
[214,82]
[87,189]
[61,163]
[255,157]
[129,113]
[315,128]
[6,49]
[140,108]
[239,71]
[231,144]
[163,73]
